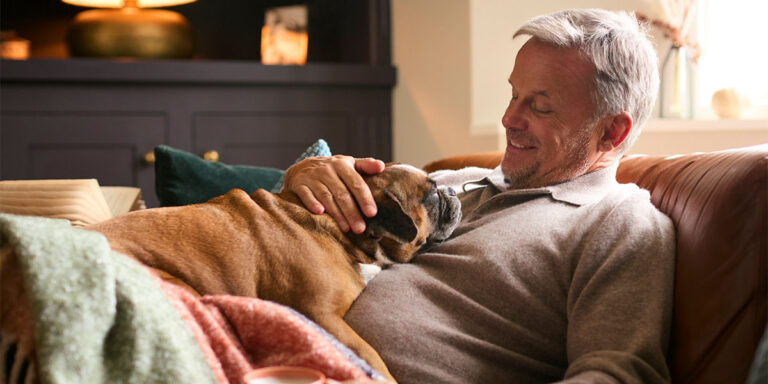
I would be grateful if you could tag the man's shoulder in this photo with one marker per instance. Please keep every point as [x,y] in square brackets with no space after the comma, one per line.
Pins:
[627,218]
[634,205]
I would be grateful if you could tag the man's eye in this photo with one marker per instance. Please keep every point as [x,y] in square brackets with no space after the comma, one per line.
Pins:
[540,111]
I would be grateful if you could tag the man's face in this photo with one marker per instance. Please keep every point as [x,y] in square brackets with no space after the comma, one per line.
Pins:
[550,135]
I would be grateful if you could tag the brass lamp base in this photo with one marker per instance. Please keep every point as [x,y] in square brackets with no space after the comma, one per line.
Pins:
[130,32]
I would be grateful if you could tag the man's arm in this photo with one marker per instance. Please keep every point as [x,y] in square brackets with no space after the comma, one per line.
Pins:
[620,300]
[334,185]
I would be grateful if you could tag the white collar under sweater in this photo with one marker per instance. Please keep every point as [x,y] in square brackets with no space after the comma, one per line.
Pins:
[585,189]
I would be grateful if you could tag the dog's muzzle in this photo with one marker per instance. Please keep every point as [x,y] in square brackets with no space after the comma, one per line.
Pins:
[447,214]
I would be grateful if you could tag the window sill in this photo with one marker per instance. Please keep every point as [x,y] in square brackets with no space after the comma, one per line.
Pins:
[676,136]
[698,125]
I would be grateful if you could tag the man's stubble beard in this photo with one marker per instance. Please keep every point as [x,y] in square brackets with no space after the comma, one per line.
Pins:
[576,163]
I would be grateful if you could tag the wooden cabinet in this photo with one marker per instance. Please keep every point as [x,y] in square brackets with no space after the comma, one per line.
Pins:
[83,118]
[78,145]
[78,118]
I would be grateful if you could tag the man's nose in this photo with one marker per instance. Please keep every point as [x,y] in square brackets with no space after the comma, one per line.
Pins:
[514,116]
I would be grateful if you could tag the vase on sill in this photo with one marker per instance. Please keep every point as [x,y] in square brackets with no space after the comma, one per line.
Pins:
[676,92]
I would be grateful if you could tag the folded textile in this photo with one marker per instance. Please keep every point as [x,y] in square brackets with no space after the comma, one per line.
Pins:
[239,334]
[98,316]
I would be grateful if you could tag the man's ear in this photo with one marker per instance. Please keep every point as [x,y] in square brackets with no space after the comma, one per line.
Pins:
[391,218]
[616,131]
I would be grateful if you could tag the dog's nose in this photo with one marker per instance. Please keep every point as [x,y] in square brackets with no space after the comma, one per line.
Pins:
[451,192]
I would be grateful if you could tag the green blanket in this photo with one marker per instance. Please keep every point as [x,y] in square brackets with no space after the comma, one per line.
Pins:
[99,316]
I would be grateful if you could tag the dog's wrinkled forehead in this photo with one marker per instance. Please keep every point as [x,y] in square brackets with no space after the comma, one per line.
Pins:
[405,171]
[408,179]
[407,168]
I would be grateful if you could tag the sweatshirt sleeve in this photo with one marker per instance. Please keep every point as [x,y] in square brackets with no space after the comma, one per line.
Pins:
[620,300]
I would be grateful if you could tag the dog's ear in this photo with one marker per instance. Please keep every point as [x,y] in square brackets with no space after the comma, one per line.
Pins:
[391,218]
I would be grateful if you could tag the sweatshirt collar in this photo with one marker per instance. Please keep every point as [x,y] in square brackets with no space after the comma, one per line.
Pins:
[585,189]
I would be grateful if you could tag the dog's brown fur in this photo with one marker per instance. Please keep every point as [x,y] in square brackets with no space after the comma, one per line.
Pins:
[269,246]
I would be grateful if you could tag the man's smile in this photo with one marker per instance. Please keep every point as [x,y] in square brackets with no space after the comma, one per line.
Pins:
[518,145]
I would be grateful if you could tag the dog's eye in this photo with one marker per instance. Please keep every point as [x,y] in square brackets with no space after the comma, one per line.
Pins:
[431,197]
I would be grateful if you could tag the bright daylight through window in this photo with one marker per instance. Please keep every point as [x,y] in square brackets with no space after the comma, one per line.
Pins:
[732,35]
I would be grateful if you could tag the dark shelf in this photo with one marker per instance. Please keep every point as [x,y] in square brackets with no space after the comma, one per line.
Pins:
[193,72]
[340,31]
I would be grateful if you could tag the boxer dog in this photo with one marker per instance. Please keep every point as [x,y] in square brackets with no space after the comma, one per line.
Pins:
[269,246]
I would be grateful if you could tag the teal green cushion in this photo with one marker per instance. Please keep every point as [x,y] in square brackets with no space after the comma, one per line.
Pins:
[182,178]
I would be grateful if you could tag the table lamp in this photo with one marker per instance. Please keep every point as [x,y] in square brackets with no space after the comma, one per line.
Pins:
[126,29]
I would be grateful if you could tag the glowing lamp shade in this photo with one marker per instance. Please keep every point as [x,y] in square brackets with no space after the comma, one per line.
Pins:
[119,3]
[125,29]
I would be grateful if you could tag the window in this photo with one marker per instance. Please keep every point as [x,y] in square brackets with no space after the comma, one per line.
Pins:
[733,35]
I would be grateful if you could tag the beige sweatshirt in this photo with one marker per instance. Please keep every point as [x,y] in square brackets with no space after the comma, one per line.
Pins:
[571,282]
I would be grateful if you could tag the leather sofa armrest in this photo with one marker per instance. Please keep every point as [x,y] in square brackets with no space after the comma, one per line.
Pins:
[482,160]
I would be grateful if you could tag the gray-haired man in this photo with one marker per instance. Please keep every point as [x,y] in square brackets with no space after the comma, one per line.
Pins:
[557,272]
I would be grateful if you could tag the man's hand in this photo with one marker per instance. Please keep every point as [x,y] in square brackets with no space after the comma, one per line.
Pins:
[333,185]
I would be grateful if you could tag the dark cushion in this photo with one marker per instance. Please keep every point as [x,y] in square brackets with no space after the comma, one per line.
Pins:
[183,178]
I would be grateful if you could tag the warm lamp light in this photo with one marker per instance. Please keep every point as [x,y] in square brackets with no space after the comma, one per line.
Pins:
[283,47]
[284,38]
[129,31]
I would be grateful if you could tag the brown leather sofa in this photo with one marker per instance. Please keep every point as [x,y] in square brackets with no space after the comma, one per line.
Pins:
[719,204]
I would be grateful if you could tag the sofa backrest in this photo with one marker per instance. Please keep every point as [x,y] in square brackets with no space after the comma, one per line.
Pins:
[719,204]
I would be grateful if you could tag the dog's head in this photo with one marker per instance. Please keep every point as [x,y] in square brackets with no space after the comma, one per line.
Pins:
[412,211]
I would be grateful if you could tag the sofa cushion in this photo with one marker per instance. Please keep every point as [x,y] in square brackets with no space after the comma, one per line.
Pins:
[183,178]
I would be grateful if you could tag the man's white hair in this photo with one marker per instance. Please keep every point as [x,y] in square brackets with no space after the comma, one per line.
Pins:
[627,77]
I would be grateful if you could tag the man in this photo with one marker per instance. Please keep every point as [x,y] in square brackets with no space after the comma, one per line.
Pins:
[557,272]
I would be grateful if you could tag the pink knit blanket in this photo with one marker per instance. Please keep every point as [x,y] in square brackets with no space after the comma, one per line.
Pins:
[238,334]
